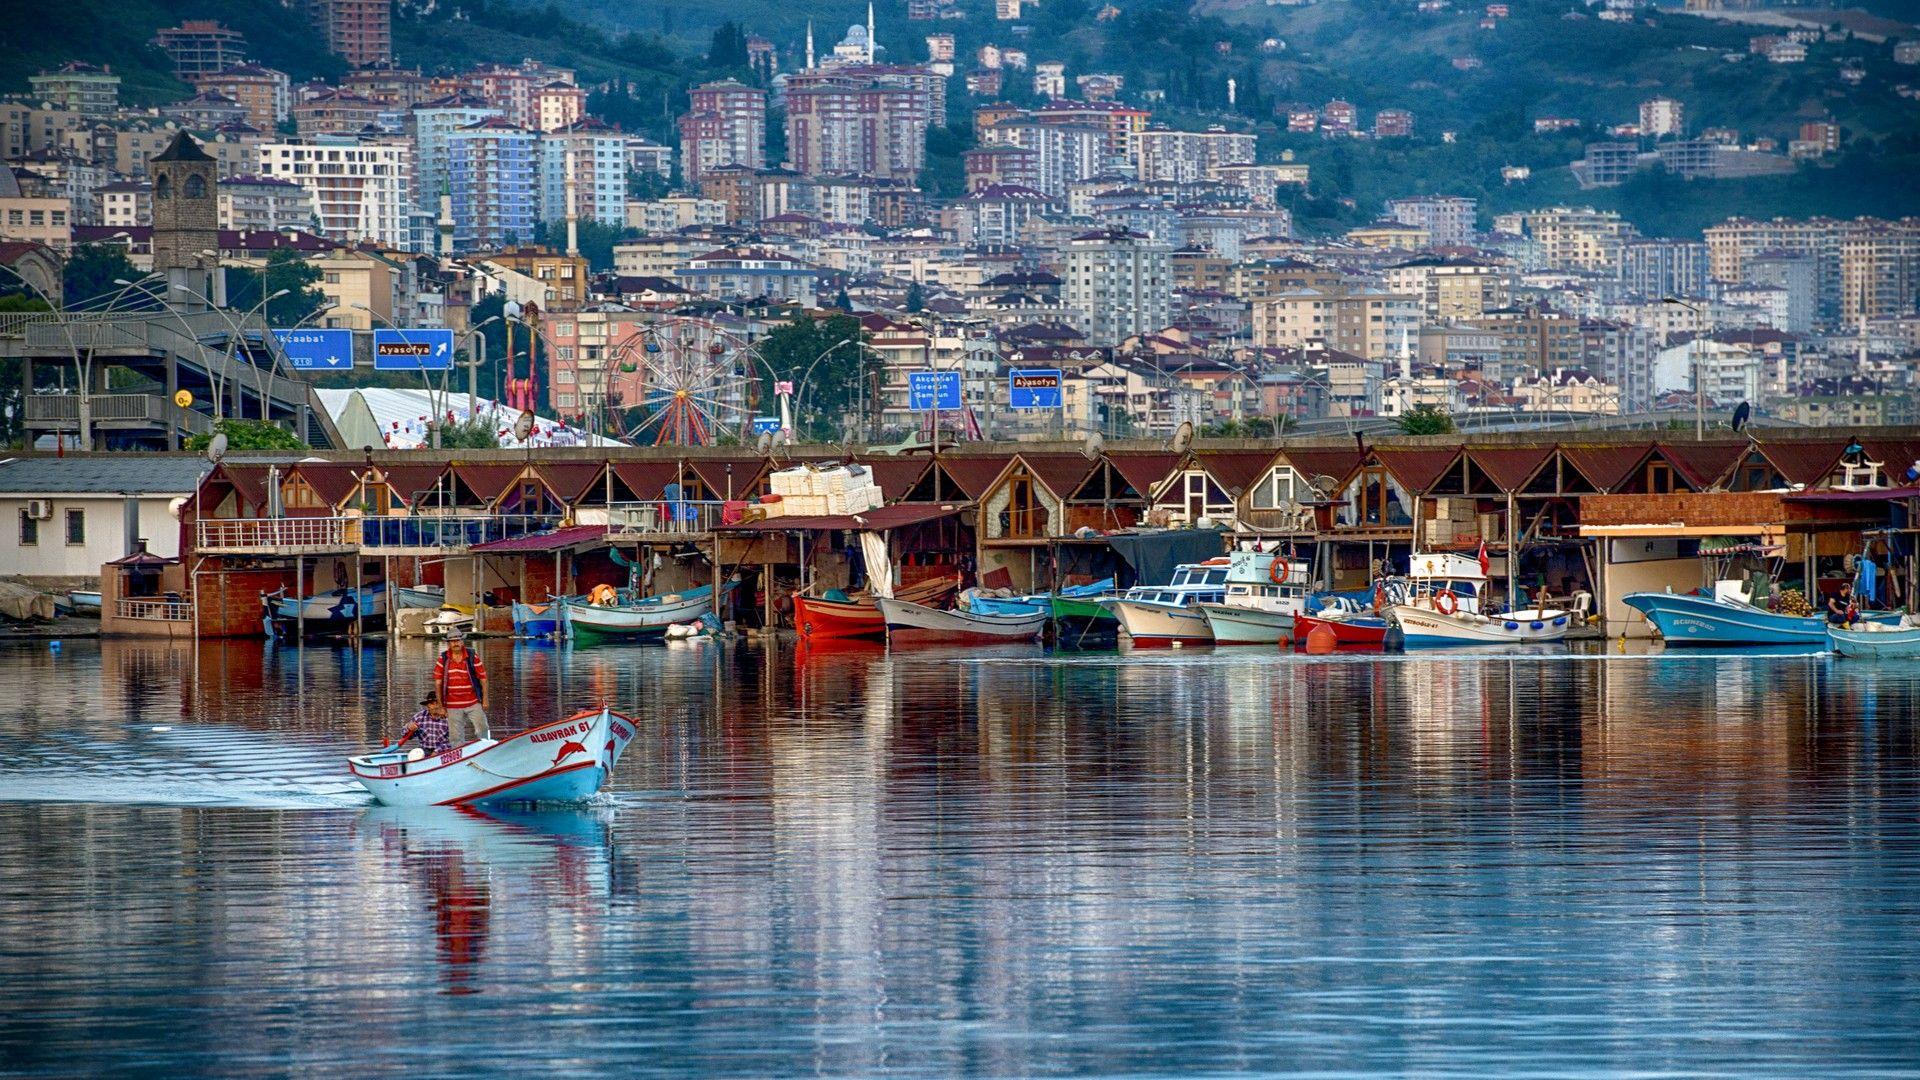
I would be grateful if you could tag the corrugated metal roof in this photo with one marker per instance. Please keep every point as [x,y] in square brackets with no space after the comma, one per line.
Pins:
[1062,473]
[1417,468]
[1804,461]
[488,482]
[332,482]
[570,480]
[409,482]
[533,543]
[897,475]
[1703,464]
[104,475]
[713,473]
[1510,467]
[1607,467]
[646,479]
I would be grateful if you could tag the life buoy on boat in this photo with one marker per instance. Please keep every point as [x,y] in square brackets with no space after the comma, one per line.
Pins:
[1445,602]
[1280,569]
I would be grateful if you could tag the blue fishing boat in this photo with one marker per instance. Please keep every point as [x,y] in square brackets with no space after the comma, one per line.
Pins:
[982,602]
[1727,617]
[536,620]
[1876,640]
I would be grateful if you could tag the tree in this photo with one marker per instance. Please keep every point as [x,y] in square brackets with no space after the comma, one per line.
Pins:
[816,355]
[916,298]
[286,270]
[473,433]
[1426,420]
[248,435]
[91,271]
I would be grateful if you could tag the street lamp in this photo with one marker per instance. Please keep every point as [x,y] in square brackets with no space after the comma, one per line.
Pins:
[1699,378]
[436,410]
[215,379]
[475,358]
[82,372]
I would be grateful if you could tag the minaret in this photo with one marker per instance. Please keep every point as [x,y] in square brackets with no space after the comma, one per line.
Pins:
[809,44]
[869,31]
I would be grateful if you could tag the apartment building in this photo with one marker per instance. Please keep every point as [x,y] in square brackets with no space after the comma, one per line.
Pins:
[558,105]
[1121,281]
[263,202]
[432,124]
[200,47]
[265,93]
[867,120]
[358,31]
[1451,289]
[493,177]
[1188,156]
[1062,154]
[727,125]
[360,189]
[1448,220]
[77,87]
[593,157]
[1662,267]
[338,112]
[1371,323]
[1571,238]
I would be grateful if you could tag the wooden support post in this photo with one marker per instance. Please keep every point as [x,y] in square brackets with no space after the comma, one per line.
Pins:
[717,613]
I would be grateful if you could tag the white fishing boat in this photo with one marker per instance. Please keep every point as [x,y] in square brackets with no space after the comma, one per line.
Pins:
[563,761]
[909,623]
[1164,615]
[1265,590]
[635,618]
[1445,604]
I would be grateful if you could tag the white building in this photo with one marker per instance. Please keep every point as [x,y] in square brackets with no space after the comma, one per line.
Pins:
[360,191]
[432,125]
[1728,374]
[1121,281]
[1186,156]
[261,202]
[671,214]
[1449,220]
[1662,116]
[66,517]
[596,156]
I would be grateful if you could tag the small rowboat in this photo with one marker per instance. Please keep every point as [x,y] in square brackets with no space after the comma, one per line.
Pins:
[909,623]
[639,618]
[536,620]
[856,616]
[563,761]
[1876,640]
[1346,630]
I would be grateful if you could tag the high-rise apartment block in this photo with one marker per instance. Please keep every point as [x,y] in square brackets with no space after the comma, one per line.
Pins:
[77,87]
[360,188]
[727,125]
[266,94]
[866,119]
[493,174]
[1448,220]
[1121,282]
[590,158]
[432,125]
[1187,156]
[358,31]
[201,47]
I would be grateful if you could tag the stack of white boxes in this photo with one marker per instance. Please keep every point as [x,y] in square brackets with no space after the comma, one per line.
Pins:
[816,490]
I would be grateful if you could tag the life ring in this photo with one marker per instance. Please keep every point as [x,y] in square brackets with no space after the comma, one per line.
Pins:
[1280,569]
[1445,602]
[1379,597]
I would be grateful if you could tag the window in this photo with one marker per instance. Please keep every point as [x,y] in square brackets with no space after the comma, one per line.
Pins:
[76,526]
[29,530]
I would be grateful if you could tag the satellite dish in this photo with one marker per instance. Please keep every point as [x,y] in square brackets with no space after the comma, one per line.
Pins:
[764,442]
[1092,448]
[217,447]
[1324,486]
[511,309]
[1183,438]
[523,427]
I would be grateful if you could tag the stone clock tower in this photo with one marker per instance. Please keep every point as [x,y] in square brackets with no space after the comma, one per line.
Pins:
[186,217]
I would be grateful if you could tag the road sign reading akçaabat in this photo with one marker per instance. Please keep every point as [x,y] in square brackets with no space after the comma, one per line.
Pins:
[315,349]
[1034,388]
[412,350]
[931,391]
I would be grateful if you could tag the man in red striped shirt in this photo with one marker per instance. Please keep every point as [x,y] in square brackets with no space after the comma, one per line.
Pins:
[461,680]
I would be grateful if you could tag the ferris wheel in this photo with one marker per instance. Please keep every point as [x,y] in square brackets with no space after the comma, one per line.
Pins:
[693,382]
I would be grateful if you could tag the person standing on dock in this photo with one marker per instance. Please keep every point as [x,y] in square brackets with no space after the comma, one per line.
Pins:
[461,680]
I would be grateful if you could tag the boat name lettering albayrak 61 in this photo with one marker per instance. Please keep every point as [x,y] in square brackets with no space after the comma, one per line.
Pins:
[559,733]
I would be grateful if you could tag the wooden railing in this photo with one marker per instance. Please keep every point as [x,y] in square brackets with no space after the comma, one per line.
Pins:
[272,535]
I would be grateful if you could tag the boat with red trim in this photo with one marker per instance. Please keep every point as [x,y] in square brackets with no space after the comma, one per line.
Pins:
[840,615]
[562,761]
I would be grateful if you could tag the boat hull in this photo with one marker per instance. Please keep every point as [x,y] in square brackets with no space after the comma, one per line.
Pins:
[1421,626]
[85,602]
[646,619]
[1154,625]
[819,618]
[1247,626]
[1685,619]
[536,620]
[1875,644]
[332,612]
[1360,631]
[909,623]
[563,761]
[1080,623]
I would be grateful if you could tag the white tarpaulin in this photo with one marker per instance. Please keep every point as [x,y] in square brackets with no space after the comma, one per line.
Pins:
[873,547]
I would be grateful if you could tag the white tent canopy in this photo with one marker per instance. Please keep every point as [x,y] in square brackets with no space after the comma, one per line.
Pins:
[396,419]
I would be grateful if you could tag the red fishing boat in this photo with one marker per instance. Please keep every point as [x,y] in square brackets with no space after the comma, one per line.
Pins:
[1346,630]
[857,616]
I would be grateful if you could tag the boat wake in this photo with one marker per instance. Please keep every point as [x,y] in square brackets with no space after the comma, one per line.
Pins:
[184,766]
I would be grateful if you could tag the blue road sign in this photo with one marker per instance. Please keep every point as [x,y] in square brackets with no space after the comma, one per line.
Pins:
[412,350]
[929,391]
[766,425]
[317,350]
[1034,388]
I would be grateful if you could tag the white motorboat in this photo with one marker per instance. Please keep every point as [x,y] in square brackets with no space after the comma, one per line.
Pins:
[1445,605]
[562,761]
[911,623]
[1265,590]
[1160,615]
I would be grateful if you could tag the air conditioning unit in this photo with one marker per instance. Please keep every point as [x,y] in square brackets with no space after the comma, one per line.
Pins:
[40,509]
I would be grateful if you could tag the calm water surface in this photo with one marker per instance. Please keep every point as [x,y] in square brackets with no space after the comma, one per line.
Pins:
[942,863]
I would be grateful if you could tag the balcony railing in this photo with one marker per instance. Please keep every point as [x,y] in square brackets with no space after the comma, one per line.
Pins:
[63,411]
[451,532]
[153,609]
[287,535]
[680,517]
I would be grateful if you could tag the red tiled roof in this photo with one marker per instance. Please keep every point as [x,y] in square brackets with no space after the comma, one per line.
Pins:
[975,473]
[713,473]
[1606,467]
[1417,468]
[1340,463]
[557,540]
[1061,473]
[333,483]
[1804,461]
[897,475]
[1510,467]
[646,479]
[1703,464]
[569,480]
[489,482]
[1234,470]
[1894,454]
[1146,470]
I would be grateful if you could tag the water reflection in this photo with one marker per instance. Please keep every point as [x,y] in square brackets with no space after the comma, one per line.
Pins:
[845,860]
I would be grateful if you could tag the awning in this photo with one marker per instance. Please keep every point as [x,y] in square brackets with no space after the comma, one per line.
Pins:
[535,543]
[1155,554]
[898,516]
